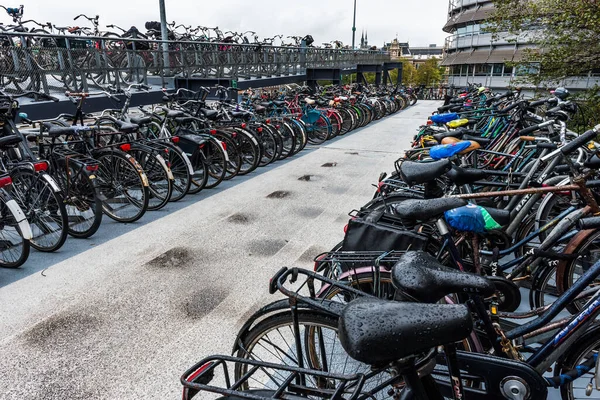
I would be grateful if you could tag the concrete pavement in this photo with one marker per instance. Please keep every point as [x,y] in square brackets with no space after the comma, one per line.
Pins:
[123,315]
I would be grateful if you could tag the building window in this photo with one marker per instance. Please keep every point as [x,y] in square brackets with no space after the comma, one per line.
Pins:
[464,70]
[508,70]
[528,69]
[497,69]
[482,69]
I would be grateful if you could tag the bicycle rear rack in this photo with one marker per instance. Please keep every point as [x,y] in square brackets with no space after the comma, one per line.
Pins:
[70,155]
[276,381]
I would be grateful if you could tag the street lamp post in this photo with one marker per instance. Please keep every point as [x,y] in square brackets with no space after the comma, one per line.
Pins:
[354,26]
[164,34]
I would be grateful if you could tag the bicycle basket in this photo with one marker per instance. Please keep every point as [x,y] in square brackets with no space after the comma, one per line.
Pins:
[274,381]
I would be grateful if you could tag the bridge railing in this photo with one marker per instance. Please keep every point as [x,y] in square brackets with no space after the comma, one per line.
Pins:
[55,63]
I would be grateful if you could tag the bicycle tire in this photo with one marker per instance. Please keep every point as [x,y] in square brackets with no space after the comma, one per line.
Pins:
[14,249]
[121,181]
[160,184]
[43,206]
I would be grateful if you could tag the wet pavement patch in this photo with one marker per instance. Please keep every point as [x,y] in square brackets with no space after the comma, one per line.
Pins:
[278,194]
[310,254]
[305,178]
[329,165]
[239,218]
[177,257]
[309,212]
[352,153]
[266,247]
[202,302]
[60,329]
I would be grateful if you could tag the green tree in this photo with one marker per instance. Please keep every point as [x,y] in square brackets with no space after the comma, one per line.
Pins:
[567,31]
[568,34]
[428,73]
[409,73]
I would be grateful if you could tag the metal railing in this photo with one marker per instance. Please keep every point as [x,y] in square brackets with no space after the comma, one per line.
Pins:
[55,63]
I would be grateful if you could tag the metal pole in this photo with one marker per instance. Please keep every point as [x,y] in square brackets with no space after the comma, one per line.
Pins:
[354,26]
[164,34]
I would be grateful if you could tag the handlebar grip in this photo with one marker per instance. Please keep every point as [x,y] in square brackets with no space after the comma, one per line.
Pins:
[546,145]
[588,223]
[513,106]
[537,103]
[580,141]
[593,184]
[530,129]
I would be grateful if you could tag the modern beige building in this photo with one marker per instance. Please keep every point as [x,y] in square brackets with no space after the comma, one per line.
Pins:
[473,56]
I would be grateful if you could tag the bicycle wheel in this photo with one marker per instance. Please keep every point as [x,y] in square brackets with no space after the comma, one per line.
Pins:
[215,159]
[318,127]
[588,253]
[83,206]
[234,157]
[336,123]
[273,340]
[199,178]
[122,185]
[581,356]
[289,140]
[43,206]
[249,149]
[180,166]
[267,143]
[14,249]
[160,185]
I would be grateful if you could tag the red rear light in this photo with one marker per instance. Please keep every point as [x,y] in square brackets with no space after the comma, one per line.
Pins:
[346,228]
[429,122]
[259,129]
[224,146]
[213,131]
[5,181]
[91,167]
[175,139]
[268,121]
[40,166]
[201,146]
[278,126]
[125,147]
[244,126]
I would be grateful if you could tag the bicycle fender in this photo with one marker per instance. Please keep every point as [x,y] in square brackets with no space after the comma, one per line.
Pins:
[162,162]
[19,216]
[51,182]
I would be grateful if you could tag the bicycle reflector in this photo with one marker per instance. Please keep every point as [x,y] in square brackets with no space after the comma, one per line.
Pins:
[5,181]
[40,166]
[175,139]
[259,129]
[244,125]
[213,131]
[93,167]
[429,122]
[268,121]
[125,147]
[189,393]
[224,145]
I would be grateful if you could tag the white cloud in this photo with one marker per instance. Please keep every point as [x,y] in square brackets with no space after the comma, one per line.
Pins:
[419,22]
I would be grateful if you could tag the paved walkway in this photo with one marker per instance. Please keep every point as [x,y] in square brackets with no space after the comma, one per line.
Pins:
[122,315]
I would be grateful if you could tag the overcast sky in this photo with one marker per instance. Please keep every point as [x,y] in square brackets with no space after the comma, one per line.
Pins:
[419,22]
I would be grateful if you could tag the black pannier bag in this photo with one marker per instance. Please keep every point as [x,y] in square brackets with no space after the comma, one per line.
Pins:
[376,231]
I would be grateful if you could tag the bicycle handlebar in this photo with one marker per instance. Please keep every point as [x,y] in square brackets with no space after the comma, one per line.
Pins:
[580,140]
